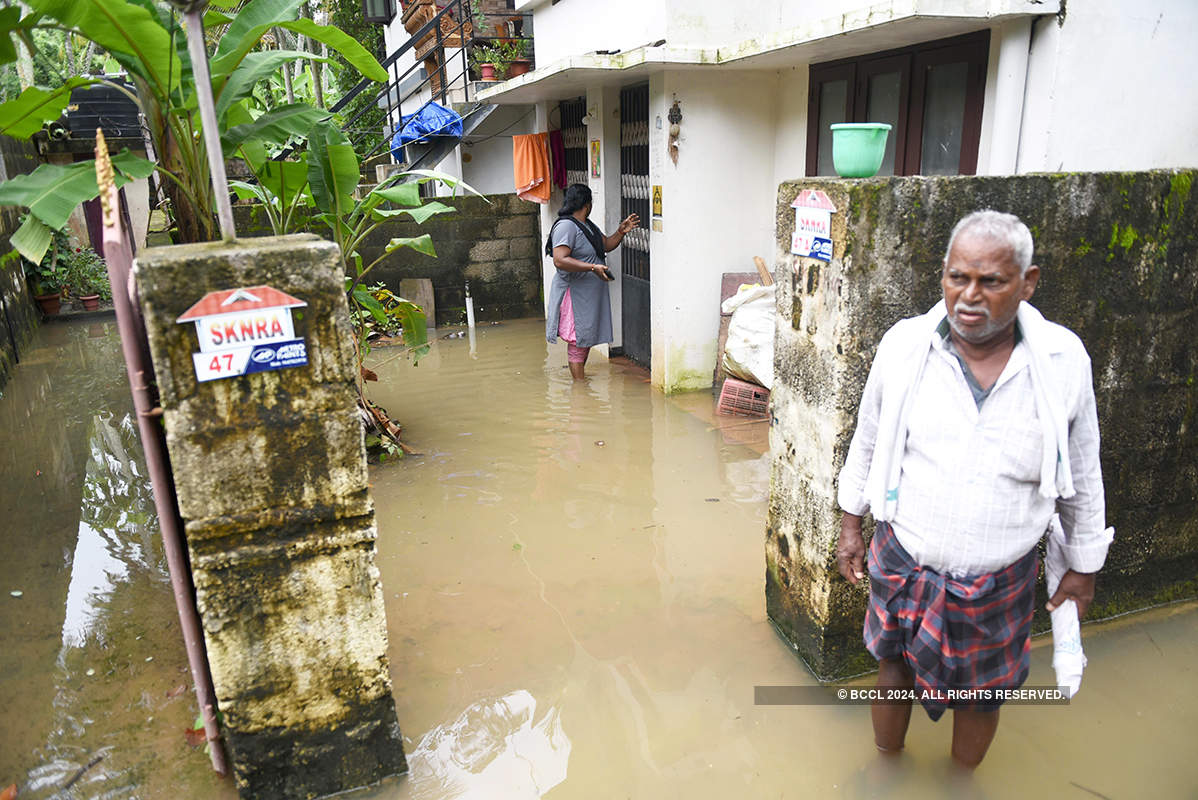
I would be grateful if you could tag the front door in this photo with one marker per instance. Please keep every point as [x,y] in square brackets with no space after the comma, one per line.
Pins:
[634,199]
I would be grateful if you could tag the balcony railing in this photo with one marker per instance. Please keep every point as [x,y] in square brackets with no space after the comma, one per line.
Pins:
[449,76]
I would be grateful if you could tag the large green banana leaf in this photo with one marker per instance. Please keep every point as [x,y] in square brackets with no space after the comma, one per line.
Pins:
[249,24]
[285,179]
[252,150]
[275,126]
[343,43]
[332,169]
[259,16]
[52,191]
[28,112]
[10,23]
[253,68]
[420,214]
[421,244]
[123,29]
[405,194]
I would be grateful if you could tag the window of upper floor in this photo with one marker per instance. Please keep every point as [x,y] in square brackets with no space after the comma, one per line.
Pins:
[930,93]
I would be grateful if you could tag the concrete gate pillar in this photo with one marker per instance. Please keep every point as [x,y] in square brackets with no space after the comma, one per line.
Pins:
[270,472]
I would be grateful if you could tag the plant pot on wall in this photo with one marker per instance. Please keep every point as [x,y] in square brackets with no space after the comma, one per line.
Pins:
[486,72]
[91,302]
[518,66]
[50,304]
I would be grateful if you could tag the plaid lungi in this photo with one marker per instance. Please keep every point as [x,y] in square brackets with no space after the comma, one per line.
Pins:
[954,634]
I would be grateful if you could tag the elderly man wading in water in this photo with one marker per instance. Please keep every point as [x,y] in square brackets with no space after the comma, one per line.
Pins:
[977,423]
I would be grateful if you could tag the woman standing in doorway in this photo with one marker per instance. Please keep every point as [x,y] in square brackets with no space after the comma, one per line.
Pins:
[579,300]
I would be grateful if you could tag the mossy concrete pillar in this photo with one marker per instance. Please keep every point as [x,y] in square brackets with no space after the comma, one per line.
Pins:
[1118,254]
[270,472]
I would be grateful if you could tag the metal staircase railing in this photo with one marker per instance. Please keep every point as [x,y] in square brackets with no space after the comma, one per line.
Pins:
[453,26]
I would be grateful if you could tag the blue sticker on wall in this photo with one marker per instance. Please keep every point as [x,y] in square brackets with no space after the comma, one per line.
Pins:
[279,355]
[821,248]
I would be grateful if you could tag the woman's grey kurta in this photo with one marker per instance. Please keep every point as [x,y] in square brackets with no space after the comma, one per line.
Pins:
[589,294]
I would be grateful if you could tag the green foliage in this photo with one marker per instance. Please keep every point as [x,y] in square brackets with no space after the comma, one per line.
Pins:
[148,41]
[501,54]
[47,275]
[332,170]
[52,191]
[487,54]
[350,222]
[65,266]
[86,273]
[479,17]
[378,311]
[26,115]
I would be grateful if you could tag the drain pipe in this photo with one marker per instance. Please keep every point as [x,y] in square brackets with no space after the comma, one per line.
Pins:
[141,380]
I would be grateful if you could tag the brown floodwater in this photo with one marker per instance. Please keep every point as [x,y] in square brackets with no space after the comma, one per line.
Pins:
[575,598]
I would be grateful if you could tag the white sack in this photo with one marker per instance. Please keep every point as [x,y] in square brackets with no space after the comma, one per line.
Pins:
[749,352]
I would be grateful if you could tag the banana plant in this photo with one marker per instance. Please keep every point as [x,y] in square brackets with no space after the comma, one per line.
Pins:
[147,41]
[332,179]
[318,185]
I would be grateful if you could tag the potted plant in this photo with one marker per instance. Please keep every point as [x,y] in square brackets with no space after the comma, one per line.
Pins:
[490,62]
[517,54]
[47,277]
[88,277]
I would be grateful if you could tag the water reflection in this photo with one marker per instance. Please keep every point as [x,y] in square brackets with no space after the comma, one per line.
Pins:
[95,691]
[497,749]
[116,529]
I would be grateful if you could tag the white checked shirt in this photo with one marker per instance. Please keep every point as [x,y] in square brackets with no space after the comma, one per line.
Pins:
[968,498]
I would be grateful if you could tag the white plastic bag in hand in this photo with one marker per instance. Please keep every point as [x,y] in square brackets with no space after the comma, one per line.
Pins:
[1068,658]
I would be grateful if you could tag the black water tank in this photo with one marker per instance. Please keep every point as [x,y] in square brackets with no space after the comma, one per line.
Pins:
[103,107]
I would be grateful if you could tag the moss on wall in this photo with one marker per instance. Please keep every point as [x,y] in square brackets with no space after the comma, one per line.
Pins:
[18,316]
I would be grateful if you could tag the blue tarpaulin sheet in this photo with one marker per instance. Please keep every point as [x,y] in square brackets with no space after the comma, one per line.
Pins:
[431,120]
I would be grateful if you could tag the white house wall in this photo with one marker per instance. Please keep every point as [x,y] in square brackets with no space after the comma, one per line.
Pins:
[489,169]
[718,209]
[719,23]
[572,28]
[790,133]
[487,151]
[1113,88]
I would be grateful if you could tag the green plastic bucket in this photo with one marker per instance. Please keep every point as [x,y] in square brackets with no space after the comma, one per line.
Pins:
[858,148]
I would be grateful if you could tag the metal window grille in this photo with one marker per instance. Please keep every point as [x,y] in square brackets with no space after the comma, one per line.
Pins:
[574,138]
[634,177]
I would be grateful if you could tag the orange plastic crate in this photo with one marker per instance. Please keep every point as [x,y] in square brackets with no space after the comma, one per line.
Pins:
[743,399]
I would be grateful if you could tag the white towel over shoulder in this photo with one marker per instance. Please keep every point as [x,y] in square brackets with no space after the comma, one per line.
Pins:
[914,336]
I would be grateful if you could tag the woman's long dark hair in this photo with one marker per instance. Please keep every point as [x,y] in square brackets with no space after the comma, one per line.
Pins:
[578,195]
